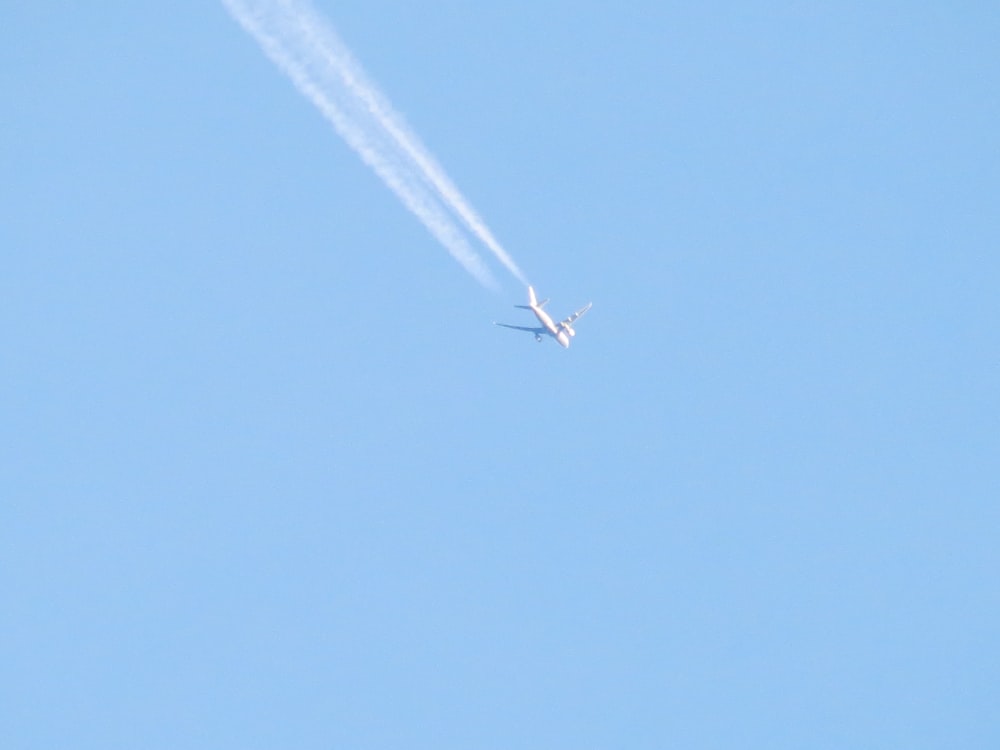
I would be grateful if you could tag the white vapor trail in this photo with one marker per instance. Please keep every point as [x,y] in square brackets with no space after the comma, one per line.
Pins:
[309,52]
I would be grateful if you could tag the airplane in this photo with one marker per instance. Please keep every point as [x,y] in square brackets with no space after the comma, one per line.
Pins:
[561,331]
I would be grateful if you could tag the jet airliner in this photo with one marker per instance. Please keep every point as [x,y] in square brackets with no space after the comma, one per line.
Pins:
[561,331]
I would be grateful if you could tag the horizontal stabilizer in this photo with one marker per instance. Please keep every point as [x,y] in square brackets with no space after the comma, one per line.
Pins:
[533,303]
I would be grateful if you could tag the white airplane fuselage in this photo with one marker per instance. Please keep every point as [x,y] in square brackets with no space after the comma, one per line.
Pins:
[549,325]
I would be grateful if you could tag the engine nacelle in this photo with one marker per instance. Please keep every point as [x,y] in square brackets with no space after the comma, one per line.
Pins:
[538,337]
[570,331]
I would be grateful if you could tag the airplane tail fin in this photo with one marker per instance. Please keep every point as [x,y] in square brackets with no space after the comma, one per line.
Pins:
[532,301]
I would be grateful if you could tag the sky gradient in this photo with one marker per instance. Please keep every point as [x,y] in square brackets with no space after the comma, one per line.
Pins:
[272,478]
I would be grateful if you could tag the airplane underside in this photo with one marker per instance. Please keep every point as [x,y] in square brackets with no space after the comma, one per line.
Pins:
[562,331]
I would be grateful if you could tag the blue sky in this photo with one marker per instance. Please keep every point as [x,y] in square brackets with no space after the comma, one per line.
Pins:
[271,478]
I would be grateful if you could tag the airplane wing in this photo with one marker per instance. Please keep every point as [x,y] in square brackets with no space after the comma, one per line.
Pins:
[577,315]
[536,331]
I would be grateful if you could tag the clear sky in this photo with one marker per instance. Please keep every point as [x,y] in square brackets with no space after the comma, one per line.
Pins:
[269,477]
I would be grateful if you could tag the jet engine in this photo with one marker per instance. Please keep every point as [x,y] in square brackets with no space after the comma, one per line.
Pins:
[538,337]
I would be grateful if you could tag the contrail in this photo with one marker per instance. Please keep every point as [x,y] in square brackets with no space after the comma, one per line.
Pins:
[353,76]
[309,52]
